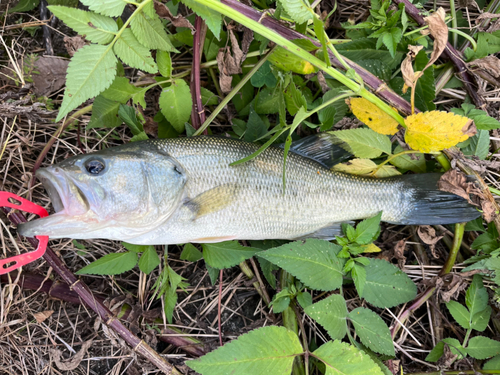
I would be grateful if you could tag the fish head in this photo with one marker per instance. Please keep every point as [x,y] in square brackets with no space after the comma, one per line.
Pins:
[117,193]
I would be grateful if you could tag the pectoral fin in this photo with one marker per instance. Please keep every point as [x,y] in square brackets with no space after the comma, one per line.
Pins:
[212,200]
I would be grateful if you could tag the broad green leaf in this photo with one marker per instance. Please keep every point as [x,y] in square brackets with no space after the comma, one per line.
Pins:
[459,313]
[133,53]
[476,297]
[299,10]
[150,32]
[492,364]
[335,112]
[267,350]
[358,274]
[475,225]
[24,6]
[112,8]
[481,347]
[110,264]
[212,18]
[191,253]
[164,62]
[104,113]
[96,28]
[129,117]
[479,145]
[331,314]
[268,101]
[391,38]
[149,260]
[264,76]
[364,143]
[386,285]
[135,248]
[91,71]
[256,128]
[287,61]
[226,254]
[314,262]
[213,273]
[341,358]
[208,97]
[368,230]
[372,330]
[371,115]
[175,103]
[120,91]
[304,299]
[425,90]
[416,164]
[481,319]
[481,118]
[438,351]
[281,301]
[361,48]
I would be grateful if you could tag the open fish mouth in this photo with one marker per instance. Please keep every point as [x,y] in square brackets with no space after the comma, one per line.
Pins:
[68,200]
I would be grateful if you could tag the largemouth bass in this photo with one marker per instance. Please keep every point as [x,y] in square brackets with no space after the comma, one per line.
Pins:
[173,191]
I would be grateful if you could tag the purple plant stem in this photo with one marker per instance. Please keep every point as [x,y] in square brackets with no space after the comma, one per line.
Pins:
[378,86]
[91,301]
[452,54]
[197,112]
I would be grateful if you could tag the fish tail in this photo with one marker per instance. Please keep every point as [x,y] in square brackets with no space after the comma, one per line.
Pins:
[432,206]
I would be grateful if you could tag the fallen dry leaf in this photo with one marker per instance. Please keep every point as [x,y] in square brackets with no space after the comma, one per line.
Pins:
[224,78]
[42,316]
[439,32]
[488,208]
[409,75]
[487,68]
[178,21]
[73,44]
[73,362]
[399,250]
[428,236]
[455,182]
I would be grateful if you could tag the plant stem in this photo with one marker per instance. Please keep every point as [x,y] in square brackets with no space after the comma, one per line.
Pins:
[453,21]
[445,163]
[197,112]
[452,256]
[466,36]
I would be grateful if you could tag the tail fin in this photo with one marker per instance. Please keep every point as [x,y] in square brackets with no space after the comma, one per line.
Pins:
[433,206]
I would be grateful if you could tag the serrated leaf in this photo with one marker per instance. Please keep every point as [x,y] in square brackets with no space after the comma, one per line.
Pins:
[264,76]
[304,299]
[386,285]
[164,62]
[331,313]
[212,18]
[96,28]
[104,113]
[191,253]
[256,128]
[368,230]
[150,32]
[170,298]
[425,90]
[341,358]
[361,48]
[358,274]
[476,297]
[120,91]
[135,248]
[176,103]
[133,53]
[213,273]
[287,61]
[481,347]
[364,143]
[391,38]
[149,260]
[334,112]
[129,117]
[299,10]
[372,330]
[91,70]
[371,115]
[112,8]
[356,166]
[438,351]
[314,262]
[267,269]
[110,264]
[267,350]
[481,319]
[436,130]
[492,364]
[416,164]
[226,254]
[459,313]
[479,145]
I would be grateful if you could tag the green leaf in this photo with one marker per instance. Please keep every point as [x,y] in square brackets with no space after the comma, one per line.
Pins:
[314,262]
[438,351]
[176,103]
[104,113]
[416,164]
[120,91]
[479,145]
[476,297]
[268,100]
[481,347]
[481,319]
[256,128]
[358,274]
[299,10]
[149,260]
[372,330]
[91,70]
[226,254]
[386,285]
[150,32]
[359,49]
[112,8]
[335,112]
[96,28]
[331,314]
[129,117]
[281,301]
[481,118]
[492,364]
[213,273]
[475,225]
[267,269]
[391,39]
[208,97]
[110,264]
[212,18]
[133,53]
[341,358]
[267,350]
[170,298]
[364,143]
[304,299]
[191,253]
[368,230]
[164,62]
[264,76]
[459,313]
[24,6]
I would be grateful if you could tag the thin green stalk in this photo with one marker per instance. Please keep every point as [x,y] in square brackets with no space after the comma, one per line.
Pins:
[445,163]
[231,95]
[452,256]
[406,152]
[493,190]
[300,52]
[466,339]
[454,23]
[466,36]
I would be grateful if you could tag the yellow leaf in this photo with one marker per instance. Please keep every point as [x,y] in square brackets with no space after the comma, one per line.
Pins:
[287,61]
[356,166]
[385,171]
[371,248]
[437,130]
[373,116]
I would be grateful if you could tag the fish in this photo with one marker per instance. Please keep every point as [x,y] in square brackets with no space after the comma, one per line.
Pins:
[188,190]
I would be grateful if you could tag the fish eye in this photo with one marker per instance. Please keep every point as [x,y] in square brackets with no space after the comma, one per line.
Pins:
[95,166]
[177,169]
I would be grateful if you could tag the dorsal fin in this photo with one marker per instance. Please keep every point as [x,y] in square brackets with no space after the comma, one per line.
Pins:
[323,148]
